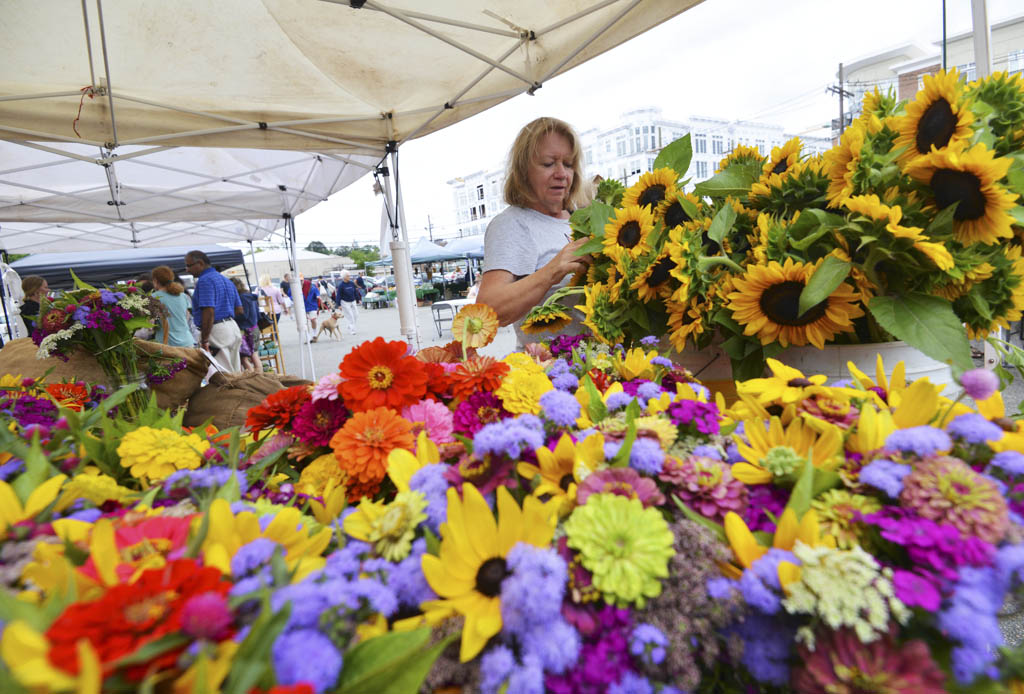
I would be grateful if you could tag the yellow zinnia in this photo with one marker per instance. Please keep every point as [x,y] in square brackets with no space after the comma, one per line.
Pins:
[154,454]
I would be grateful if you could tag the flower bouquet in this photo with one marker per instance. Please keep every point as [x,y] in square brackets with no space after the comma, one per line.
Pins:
[103,323]
[909,229]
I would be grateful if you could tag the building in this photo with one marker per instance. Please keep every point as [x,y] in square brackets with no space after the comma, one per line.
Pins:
[626,150]
[902,68]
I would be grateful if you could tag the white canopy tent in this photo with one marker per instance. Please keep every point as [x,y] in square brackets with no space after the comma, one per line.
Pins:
[348,79]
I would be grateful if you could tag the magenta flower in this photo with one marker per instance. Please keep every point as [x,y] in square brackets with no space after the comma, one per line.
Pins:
[317,421]
[623,481]
[915,590]
[706,485]
[433,417]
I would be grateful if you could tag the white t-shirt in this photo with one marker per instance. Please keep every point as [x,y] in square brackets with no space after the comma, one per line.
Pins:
[521,241]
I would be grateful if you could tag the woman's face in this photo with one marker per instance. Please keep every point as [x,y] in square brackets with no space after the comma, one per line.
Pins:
[43,290]
[550,173]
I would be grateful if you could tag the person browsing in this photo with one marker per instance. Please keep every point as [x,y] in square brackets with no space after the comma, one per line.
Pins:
[527,252]
[35,289]
[173,329]
[347,295]
[215,302]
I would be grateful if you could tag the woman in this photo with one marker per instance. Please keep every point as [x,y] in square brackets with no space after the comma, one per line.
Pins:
[35,289]
[277,303]
[311,300]
[247,322]
[527,252]
[175,328]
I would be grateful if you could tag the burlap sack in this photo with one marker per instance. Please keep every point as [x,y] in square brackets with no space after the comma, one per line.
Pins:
[227,398]
[19,357]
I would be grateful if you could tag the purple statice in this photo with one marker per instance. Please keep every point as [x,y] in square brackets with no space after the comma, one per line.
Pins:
[885,475]
[12,467]
[703,416]
[476,411]
[495,667]
[565,344]
[1010,462]
[767,642]
[707,451]
[979,384]
[205,478]
[531,595]
[971,620]
[631,683]
[28,409]
[430,481]
[922,441]
[973,428]
[617,401]
[648,644]
[560,407]
[603,658]
[506,438]
[762,500]
[306,655]
[915,590]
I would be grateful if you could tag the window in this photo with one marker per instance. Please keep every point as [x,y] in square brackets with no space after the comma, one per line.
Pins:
[480,192]
[760,146]
[620,146]
[968,71]
[717,144]
[472,213]
[483,212]
[608,146]
[650,163]
[1015,61]
[637,146]
[588,156]
[700,143]
[646,130]
[702,169]
[652,145]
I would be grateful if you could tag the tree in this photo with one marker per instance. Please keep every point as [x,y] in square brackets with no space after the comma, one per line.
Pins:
[318,247]
[364,255]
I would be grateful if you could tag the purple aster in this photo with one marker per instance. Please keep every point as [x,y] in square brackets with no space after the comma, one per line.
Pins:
[646,456]
[532,593]
[648,390]
[650,340]
[707,451]
[566,382]
[701,415]
[885,475]
[662,361]
[631,683]
[495,667]
[506,438]
[1010,462]
[916,591]
[979,384]
[617,401]
[560,407]
[406,578]
[478,410]
[767,642]
[306,655]
[252,556]
[973,428]
[555,644]
[648,644]
[430,481]
[922,441]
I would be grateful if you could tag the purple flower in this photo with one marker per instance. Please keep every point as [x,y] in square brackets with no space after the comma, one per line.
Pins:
[973,428]
[527,678]
[979,384]
[81,313]
[922,441]
[306,655]
[205,478]
[646,456]
[566,382]
[662,361]
[560,407]
[506,438]
[1010,462]
[430,481]
[649,340]
[11,468]
[702,415]
[28,409]
[762,500]
[478,410]
[107,296]
[915,590]
[648,643]
[555,644]
[631,683]
[885,475]
[565,344]
[603,657]
[706,451]
[931,546]
[308,601]
[767,642]
[206,616]
[406,578]
[648,390]
[617,401]
[532,593]
[495,667]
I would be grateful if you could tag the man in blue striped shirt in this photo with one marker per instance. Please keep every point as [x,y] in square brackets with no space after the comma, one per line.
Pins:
[215,302]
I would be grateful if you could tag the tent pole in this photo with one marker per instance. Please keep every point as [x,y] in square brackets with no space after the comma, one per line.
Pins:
[255,270]
[298,305]
[403,267]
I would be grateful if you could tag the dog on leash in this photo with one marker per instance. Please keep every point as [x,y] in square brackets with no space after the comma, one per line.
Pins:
[330,326]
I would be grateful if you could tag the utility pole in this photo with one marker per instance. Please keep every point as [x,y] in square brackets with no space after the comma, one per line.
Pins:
[842,93]
[430,229]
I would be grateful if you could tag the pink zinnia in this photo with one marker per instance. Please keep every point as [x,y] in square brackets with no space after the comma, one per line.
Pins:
[317,421]
[432,417]
[705,485]
[327,388]
[623,481]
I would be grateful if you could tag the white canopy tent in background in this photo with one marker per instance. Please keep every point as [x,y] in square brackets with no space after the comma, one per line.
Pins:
[131,79]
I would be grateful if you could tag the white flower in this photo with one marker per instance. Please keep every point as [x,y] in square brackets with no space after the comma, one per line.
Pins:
[133,302]
[50,342]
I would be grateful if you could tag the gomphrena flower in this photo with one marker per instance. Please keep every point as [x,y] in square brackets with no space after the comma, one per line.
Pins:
[947,490]
[979,384]
[153,454]
[844,588]
[705,485]
[624,545]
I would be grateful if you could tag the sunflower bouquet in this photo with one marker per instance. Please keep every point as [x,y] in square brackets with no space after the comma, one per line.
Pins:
[909,229]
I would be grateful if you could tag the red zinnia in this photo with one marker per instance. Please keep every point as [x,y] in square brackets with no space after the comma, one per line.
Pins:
[278,409]
[70,395]
[130,616]
[439,384]
[476,375]
[379,373]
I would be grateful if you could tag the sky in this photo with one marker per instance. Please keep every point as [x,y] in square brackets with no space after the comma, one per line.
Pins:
[762,60]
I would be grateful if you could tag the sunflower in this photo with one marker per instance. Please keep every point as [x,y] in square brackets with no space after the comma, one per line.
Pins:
[766,301]
[803,185]
[546,317]
[671,212]
[741,154]
[685,321]
[651,189]
[601,315]
[471,566]
[938,117]
[969,177]
[561,470]
[822,444]
[656,281]
[379,373]
[1003,294]
[475,325]
[628,231]
[878,104]
[363,444]
[782,159]
[1005,95]
[477,375]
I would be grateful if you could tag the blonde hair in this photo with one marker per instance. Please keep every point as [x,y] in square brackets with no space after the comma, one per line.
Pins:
[164,276]
[264,280]
[518,191]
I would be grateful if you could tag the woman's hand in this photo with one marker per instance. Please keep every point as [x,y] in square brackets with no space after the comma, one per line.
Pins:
[566,262]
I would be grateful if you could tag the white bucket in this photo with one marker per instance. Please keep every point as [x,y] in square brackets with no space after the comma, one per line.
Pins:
[831,362]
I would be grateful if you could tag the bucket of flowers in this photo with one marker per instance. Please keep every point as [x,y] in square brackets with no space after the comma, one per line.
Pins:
[908,230]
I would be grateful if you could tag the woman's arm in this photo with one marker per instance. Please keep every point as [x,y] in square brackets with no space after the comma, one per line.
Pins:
[512,299]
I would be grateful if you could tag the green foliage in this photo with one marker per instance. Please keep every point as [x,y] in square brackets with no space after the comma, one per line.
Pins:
[829,275]
[926,322]
[676,155]
[317,247]
[392,663]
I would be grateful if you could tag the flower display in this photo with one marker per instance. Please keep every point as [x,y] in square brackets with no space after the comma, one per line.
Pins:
[379,373]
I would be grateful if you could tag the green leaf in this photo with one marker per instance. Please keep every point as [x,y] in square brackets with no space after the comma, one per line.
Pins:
[1018,215]
[196,543]
[79,284]
[639,316]
[735,180]
[251,664]
[599,214]
[621,458]
[722,224]
[433,543]
[688,207]
[230,491]
[596,408]
[590,247]
[829,275]
[150,650]
[980,305]
[803,491]
[823,481]
[37,471]
[942,226]
[714,527]
[676,156]
[392,663]
[927,323]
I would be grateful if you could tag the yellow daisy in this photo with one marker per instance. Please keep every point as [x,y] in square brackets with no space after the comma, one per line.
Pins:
[561,470]
[822,447]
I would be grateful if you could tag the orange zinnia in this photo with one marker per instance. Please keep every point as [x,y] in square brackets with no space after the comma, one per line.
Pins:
[363,444]
[479,374]
[278,409]
[69,395]
[379,373]
[475,325]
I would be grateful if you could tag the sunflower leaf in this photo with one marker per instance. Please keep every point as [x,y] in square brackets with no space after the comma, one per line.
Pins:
[688,207]
[980,305]
[722,224]
[591,246]
[735,180]
[942,226]
[676,156]
[927,323]
[829,275]
[1018,214]
[599,214]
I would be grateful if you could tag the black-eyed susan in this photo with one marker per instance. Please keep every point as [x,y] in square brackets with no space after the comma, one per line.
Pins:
[470,568]
[782,158]
[938,116]
[561,470]
[822,444]
[671,212]
[627,232]
[601,315]
[546,317]
[766,302]
[656,282]
[741,154]
[652,188]
[969,178]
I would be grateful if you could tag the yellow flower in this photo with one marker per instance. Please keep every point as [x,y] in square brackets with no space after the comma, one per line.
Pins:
[475,325]
[154,454]
[994,410]
[521,390]
[562,469]
[873,428]
[651,189]
[402,464]
[520,361]
[936,118]
[627,232]
[821,447]
[13,511]
[94,487]
[747,550]
[546,318]
[320,476]
[26,653]
[390,528]
[468,573]
[786,386]
[636,364]
[782,159]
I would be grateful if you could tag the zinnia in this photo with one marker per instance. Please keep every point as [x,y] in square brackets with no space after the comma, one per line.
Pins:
[363,444]
[477,375]
[153,454]
[379,373]
[278,409]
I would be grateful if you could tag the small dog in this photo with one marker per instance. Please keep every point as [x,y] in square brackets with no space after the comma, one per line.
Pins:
[330,325]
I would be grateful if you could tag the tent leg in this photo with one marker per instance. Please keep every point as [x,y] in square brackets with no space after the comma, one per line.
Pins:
[299,306]
[403,267]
